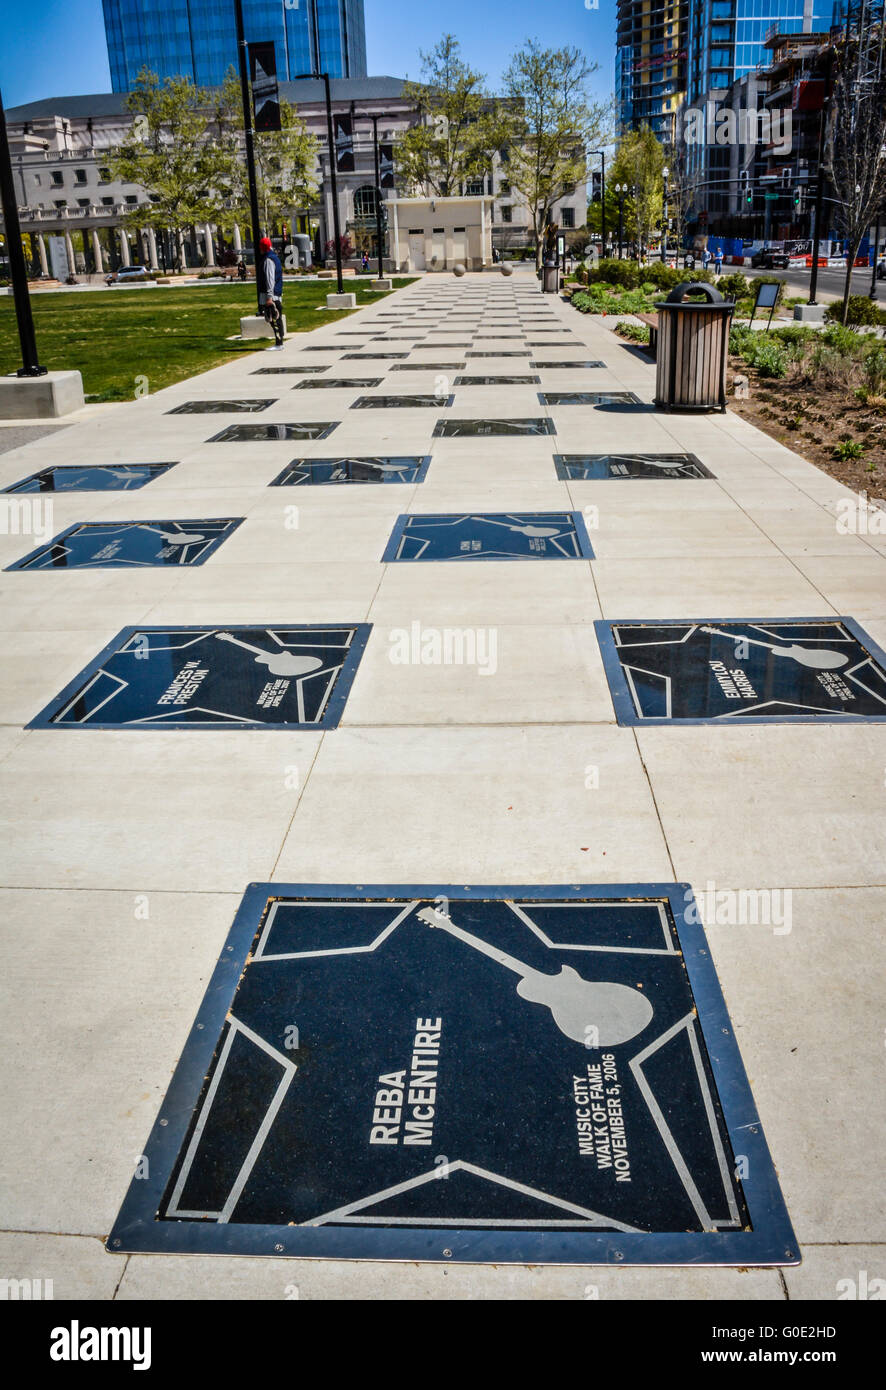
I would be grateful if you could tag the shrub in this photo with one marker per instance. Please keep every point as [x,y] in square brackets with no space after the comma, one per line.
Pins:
[848,449]
[636,332]
[767,356]
[734,286]
[874,367]
[663,277]
[616,272]
[860,311]
[842,339]
[795,334]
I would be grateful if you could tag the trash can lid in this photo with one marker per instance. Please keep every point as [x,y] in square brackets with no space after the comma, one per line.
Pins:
[679,293]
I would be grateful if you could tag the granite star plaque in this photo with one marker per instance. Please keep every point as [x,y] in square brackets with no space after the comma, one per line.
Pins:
[751,670]
[507,1074]
[411,469]
[130,544]
[91,477]
[596,466]
[241,407]
[238,677]
[588,398]
[246,434]
[457,429]
[424,402]
[490,536]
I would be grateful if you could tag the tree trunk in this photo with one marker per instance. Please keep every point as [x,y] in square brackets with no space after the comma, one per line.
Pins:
[847,286]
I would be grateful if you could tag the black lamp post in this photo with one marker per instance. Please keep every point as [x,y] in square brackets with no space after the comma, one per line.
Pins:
[602,154]
[330,135]
[664,216]
[250,148]
[378,227]
[819,185]
[621,190]
[17,268]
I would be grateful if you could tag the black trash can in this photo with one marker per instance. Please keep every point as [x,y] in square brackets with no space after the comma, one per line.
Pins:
[693,345]
[550,278]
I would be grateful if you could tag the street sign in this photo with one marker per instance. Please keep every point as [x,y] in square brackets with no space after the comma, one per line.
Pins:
[770,197]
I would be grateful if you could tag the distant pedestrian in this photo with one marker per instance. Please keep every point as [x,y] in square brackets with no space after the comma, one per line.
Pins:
[364,263]
[718,260]
[271,294]
[705,258]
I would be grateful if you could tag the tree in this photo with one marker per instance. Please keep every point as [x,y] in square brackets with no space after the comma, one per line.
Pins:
[172,151]
[459,126]
[679,189]
[286,161]
[854,151]
[551,126]
[639,162]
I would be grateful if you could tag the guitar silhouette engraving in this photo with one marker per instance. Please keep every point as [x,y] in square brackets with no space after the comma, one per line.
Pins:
[816,658]
[595,1013]
[279,663]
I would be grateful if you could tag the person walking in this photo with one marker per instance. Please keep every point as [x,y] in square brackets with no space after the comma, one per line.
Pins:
[271,293]
[718,260]
[705,258]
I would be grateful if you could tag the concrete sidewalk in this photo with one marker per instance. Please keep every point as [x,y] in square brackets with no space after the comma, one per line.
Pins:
[125,855]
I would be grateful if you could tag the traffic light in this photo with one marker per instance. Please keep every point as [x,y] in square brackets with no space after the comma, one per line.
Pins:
[596,186]
[796,197]
[749,196]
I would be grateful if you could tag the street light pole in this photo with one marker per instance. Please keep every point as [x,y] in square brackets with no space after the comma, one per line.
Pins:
[621,190]
[250,149]
[330,136]
[819,187]
[664,217]
[378,229]
[602,154]
[17,268]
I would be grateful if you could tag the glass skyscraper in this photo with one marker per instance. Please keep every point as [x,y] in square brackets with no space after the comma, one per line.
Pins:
[197,38]
[725,37]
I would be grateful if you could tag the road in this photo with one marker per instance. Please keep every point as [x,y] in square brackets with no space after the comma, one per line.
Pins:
[830,282]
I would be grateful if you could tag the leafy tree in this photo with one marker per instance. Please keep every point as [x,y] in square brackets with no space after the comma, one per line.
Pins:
[551,126]
[855,152]
[639,162]
[286,161]
[171,150]
[459,127]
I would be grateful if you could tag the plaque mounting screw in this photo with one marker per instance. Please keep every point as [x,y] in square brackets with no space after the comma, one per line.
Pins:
[278,1248]
[447,1253]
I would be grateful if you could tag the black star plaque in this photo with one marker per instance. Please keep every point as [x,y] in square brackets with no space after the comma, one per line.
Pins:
[781,670]
[239,677]
[524,1074]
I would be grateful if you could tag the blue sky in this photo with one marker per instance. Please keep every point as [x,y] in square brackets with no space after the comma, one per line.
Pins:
[58,48]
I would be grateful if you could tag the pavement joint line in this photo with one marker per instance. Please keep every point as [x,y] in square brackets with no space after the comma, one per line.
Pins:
[664,835]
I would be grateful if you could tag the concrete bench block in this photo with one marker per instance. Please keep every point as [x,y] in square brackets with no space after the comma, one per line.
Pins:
[257,326]
[40,397]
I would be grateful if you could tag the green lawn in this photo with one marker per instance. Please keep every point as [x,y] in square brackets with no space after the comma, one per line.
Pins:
[116,337]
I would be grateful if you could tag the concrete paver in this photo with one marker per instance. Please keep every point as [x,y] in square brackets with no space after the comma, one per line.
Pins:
[436,773]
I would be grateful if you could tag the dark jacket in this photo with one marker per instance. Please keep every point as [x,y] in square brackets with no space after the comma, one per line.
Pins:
[272,259]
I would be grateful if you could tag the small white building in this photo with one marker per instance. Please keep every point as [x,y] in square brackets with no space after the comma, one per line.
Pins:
[439,233]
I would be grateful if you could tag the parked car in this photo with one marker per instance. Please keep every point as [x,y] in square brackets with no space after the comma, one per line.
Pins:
[768,257]
[126,274]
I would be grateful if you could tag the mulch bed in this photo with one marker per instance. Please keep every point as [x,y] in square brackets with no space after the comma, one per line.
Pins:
[812,421]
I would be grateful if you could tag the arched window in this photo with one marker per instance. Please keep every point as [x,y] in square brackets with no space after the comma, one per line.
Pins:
[364,203]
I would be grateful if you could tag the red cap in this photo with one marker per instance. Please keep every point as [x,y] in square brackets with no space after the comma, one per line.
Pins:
[265,243]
